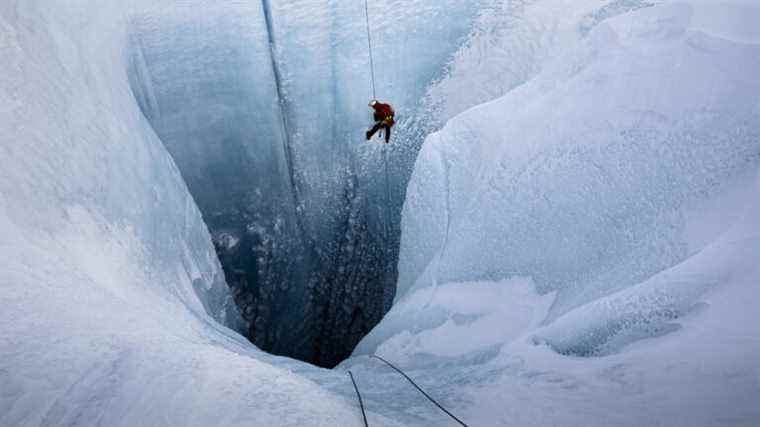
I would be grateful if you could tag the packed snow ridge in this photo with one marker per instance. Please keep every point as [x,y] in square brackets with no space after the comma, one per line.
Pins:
[578,243]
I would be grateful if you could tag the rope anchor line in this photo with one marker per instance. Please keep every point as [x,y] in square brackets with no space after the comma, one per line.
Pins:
[369,45]
[361,403]
[421,390]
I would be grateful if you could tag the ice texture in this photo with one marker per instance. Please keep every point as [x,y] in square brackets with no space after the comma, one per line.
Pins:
[604,207]
[638,128]
[113,304]
[263,105]
[84,180]
[579,247]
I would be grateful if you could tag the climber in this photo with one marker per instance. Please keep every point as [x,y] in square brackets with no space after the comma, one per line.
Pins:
[383,119]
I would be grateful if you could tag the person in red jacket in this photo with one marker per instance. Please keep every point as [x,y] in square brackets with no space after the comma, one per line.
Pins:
[383,119]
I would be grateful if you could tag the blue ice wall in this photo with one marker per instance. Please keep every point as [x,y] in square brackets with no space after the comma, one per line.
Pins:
[263,106]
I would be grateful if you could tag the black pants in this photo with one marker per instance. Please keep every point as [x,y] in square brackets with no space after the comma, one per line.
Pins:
[377,127]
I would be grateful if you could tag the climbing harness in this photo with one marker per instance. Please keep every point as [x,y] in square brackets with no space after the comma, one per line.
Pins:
[420,390]
[361,403]
[369,45]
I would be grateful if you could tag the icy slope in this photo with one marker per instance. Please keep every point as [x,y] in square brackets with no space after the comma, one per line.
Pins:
[607,207]
[599,172]
[263,107]
[639,147]
[112,300]
[511,43]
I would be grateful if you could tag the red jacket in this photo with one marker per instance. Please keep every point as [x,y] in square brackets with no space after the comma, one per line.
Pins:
[384,112]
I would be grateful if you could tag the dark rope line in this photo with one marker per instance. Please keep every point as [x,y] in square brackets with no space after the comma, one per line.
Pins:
[369,44]
[361,403]
[374,96]
[420,390]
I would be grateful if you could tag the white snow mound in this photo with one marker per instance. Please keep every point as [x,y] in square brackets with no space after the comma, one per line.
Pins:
[615,196]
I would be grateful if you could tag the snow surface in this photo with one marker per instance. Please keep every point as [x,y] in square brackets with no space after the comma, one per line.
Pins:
[113,301]
[578,249]
[583,250]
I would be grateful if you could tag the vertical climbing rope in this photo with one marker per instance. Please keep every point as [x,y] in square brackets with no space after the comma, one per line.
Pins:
[369,45]
[361,403]
[385,155]
[420,390]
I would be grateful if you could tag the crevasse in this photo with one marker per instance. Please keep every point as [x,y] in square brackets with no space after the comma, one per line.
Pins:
[587,211]
[262,105]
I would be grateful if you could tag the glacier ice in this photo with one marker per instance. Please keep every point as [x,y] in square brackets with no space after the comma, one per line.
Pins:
[261,104]
[600,198]
[113,302]
[620,182]
[594,196]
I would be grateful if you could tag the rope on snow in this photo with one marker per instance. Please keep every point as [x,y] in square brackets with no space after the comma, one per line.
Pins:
[421,390]
[361,403]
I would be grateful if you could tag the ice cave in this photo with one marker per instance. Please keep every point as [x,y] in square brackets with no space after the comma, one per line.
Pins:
[195,230]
